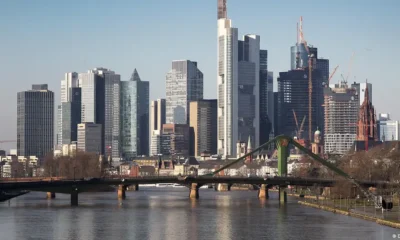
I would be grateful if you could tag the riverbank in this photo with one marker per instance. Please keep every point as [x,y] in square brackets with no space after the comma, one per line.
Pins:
[352,214]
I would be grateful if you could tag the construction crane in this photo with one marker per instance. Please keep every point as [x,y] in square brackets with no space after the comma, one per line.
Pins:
[333,73]
[297,123]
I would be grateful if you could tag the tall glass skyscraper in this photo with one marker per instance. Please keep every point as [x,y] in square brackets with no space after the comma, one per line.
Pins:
[388,129]
[134,117]
[35,122]
[184,83]
[238,85]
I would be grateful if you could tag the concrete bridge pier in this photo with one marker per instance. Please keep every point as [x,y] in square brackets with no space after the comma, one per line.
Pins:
[134,187]
[121,191]
[51,195]
[74,197]
[282,195]
[263,192]
[223,187]
[194,191]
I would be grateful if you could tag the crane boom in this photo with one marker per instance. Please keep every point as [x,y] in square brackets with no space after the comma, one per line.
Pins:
[301,126]
[333,73]
[297,123]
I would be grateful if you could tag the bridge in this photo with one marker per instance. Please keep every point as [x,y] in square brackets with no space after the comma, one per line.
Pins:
[195,182]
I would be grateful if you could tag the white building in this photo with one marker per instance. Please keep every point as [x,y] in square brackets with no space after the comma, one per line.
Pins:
[70,80]
[184,83]
[238,85]
[388,129]
[89,137]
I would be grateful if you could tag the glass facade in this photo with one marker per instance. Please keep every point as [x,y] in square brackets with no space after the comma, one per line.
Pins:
[134,117]
[35,123]
[184,83]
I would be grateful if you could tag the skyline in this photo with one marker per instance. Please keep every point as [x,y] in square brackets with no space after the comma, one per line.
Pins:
[62,45]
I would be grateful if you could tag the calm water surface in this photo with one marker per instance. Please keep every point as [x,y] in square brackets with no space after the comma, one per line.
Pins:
[154,213]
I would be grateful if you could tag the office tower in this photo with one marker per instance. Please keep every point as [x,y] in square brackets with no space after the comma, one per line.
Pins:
[179,139]
[270,97]
[89,137]
[275,115]
[361,87]
[35,121]
[59,127]
[238,85]
[293,96]
[203,116]
[71,80]
[341,115]
[184,83]
[388,130]
[112,105]
[157,119]
[71,112]
[265,98]
[134,117]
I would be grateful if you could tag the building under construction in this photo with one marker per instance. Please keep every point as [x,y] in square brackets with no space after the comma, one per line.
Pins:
[293,92]
[341,113]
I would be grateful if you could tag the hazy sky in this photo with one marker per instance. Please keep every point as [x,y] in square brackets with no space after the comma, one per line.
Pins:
[41,40]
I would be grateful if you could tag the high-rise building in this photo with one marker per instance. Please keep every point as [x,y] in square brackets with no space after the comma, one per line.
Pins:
[112,102]
[184,83]
[134,117]
[203,116]
[89,137]
[157,119]
[271,105]
[238,85]
[179,139]
[59,127]
[35,121]
[265,98]
[293,96]
[341,114]
[388,130]
[361,89]
[93,99]
[71,112]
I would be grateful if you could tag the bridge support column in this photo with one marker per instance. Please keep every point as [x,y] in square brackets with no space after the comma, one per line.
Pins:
[194,191]
[134,187]
[263,192]
[282,195]
[121,191]
[74,197]
[51,195]
[223,187]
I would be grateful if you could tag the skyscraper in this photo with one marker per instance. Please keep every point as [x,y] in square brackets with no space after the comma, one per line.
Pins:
[388,130]
[293,96]
[112,105]
[266,98]
[71,112]
[184,83]
[341,113]
[134,117]
[71,80]
[89,137]
[93,98]
[157,120]
[238,85]
[203,115]
[35,121]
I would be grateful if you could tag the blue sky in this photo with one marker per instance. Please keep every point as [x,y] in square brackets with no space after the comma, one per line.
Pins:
[41,40]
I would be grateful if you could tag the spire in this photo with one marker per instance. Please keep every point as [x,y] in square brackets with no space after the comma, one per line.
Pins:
[366,94]
[222,9]
[249,143]
[135,76]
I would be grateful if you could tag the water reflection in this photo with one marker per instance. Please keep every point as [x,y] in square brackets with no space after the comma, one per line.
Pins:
[163,214]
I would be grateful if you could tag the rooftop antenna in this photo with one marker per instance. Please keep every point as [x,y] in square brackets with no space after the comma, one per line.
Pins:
[301,29]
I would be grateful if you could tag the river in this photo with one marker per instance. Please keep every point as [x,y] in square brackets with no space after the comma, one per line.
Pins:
[168,213]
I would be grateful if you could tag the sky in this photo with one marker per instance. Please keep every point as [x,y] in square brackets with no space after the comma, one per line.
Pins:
[41,40]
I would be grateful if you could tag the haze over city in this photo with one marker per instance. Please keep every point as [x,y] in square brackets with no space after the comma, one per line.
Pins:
[43,40]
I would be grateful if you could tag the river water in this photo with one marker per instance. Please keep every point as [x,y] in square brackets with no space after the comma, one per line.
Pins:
[168,213]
